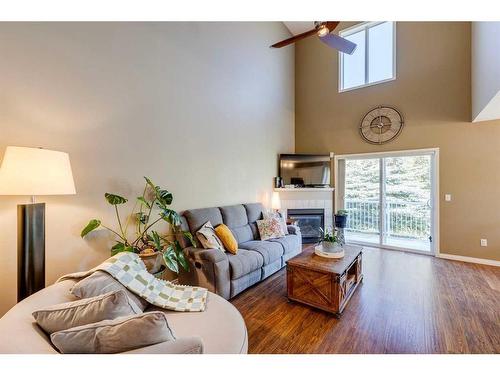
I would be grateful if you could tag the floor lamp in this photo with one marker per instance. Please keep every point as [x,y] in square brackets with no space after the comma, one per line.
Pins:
[31,172]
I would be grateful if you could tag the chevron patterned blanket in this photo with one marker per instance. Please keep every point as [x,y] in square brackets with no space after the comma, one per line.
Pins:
[130,271]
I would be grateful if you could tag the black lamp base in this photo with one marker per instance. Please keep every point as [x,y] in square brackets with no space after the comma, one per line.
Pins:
[30,249]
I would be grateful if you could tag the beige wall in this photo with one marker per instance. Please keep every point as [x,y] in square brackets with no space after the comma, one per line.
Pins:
[432,90]
[201,108]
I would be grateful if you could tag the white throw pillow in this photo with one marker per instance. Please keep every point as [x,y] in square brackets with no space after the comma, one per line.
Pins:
[209,240]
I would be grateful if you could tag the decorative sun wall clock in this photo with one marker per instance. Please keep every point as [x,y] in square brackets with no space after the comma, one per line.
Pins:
[381,125]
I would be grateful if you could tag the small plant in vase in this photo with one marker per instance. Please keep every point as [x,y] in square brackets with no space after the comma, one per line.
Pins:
[328,239]
[149,209]
[341,218]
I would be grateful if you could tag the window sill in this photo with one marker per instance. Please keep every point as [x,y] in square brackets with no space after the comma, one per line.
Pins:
[367,85]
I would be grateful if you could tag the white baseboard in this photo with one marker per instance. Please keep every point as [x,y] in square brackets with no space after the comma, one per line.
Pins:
[489,262]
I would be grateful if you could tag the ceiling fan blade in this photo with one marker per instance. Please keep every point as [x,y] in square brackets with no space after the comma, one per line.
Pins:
[337,42]
[294,39]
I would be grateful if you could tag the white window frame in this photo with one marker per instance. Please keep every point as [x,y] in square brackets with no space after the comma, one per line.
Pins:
[354,29]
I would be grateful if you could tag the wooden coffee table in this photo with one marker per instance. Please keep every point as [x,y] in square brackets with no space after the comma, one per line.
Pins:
[324,283]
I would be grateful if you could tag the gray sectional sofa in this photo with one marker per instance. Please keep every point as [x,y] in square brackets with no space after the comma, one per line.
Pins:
[227,274]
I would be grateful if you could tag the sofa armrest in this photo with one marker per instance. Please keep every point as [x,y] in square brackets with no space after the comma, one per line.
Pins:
[209,255]
[293,229]
[183,345]
[208,268]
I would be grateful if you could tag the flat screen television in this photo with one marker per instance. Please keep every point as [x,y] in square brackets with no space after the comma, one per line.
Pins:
[303,170]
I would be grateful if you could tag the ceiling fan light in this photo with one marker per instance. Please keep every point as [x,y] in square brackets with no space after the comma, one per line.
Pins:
[323,30]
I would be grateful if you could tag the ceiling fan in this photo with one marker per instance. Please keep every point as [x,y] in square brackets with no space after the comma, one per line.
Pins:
[323,31]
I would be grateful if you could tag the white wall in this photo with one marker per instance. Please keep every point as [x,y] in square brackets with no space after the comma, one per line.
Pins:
[201,108]
[485,77]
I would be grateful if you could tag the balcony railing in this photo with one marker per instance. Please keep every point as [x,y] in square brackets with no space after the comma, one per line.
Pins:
[402,219]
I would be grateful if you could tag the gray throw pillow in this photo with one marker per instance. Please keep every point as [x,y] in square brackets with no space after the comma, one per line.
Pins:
[115,336]
[101,282]
[89,310]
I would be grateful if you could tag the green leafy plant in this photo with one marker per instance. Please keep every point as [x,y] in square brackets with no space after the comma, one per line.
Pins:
[328,235]
[342,213]
[149,209]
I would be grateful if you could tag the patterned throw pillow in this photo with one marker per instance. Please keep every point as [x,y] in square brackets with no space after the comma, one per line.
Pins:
[209,240]
[270,228]
[280,217]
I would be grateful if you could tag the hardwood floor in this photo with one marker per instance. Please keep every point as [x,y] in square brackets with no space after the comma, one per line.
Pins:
[407,303]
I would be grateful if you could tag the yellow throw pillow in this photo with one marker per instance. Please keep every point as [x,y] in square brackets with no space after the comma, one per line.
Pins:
[227,238]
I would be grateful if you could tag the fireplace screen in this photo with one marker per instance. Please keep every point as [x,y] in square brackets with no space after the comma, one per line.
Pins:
[309,222]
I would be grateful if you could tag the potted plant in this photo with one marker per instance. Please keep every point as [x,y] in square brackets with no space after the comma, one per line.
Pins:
[150,208]
[341,218]
[328,239]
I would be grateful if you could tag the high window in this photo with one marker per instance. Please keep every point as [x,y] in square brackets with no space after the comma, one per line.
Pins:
[373,61]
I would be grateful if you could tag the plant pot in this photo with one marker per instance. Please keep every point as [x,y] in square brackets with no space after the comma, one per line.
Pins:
[153,261]
[340,221]
[329,246]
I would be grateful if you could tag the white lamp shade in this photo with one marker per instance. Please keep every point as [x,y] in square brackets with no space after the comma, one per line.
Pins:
[35,171]
[275,201]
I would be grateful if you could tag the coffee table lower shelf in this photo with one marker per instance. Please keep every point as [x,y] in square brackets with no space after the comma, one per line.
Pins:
[326,284]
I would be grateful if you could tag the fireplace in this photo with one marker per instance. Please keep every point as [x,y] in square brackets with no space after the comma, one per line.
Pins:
[309,221]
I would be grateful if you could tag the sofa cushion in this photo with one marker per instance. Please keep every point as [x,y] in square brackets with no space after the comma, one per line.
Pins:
[196,218]
[62,316]
[290,243]
[244,262]
[235,217]
[115,336]
[243,234]
[254,211]
[270,251]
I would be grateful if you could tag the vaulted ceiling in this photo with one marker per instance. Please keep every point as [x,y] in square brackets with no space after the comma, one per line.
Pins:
[296,27]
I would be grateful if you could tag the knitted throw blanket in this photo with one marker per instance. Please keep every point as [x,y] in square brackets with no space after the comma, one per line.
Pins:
[130,271]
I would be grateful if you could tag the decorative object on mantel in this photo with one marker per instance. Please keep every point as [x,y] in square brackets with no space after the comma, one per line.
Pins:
[340,224]
[33,171]
[329,246]
[381,125]
[278,182]
[148,244]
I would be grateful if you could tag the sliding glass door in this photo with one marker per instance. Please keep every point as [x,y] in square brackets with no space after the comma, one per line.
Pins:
[390,198]
[362,200]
